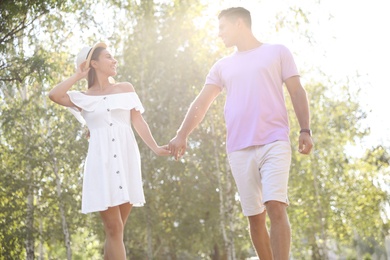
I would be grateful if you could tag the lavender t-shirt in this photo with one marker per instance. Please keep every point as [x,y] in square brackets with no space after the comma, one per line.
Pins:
[255,110]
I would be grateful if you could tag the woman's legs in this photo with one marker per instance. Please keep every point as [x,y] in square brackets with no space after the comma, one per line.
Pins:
[125,210]
[114,220]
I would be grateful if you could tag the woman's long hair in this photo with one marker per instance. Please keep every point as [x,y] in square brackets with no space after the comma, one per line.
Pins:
[92,72]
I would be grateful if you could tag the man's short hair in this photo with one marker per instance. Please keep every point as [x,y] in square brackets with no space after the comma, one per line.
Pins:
[237,12]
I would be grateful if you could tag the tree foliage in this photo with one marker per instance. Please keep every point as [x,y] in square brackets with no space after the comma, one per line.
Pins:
[192,209]
[336,198]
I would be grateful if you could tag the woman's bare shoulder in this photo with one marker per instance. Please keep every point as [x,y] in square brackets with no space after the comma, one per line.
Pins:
[124,87]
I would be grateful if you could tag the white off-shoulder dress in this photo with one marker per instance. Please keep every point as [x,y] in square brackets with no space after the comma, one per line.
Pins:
[112,171]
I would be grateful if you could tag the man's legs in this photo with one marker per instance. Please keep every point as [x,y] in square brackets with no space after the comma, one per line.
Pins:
[274,173]
[259,235]
[280,230]
[261,174]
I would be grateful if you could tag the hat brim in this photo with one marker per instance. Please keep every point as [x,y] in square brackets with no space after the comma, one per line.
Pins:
[89,56]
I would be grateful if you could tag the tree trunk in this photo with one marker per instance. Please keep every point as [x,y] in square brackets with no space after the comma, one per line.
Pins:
[323,252]
[223,211]
[230,213]
[40,256]
[149,234]
[30,216]
[64,223]
[215,255]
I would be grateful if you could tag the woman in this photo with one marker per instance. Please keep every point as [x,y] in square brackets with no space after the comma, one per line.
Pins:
[112,175]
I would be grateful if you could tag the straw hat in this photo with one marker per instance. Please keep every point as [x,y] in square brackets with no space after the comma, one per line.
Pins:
[86,53]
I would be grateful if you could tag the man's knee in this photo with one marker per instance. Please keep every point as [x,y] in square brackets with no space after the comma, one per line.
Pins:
[276,210]
[257,221]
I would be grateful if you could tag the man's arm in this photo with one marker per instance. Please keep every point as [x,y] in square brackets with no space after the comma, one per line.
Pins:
[301,107]
[194,116]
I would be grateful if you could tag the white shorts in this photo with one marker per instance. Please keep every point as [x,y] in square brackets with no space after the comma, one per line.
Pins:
[261,174]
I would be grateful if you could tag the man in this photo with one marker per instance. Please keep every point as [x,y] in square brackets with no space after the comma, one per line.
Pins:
[256,118]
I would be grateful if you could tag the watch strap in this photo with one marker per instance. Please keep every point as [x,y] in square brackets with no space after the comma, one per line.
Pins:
[305,131]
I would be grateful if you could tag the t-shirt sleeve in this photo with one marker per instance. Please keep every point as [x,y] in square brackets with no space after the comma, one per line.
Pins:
[214,76]
[289,68]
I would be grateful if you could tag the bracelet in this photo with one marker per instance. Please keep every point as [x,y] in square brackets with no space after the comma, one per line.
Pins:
[305,131]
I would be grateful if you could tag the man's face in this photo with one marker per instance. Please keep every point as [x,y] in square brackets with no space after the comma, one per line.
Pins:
[227,31]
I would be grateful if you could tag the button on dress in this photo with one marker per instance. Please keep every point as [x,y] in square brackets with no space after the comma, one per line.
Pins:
[112,171]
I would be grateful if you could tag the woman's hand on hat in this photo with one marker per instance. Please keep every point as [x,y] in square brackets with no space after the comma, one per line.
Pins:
[82,71]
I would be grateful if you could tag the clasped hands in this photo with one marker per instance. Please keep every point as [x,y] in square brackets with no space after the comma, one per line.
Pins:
[178,145]
[176,148]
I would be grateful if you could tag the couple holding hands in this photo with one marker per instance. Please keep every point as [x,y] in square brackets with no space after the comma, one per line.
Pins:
[258,145]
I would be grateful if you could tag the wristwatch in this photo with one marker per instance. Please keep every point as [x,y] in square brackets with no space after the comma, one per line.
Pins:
[305,131]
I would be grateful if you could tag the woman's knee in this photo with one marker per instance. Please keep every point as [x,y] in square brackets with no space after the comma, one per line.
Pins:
[113,227]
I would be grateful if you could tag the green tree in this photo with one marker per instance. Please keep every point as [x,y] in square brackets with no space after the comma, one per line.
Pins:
[334,196]
[192,210]
[17,18]
[35,193]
